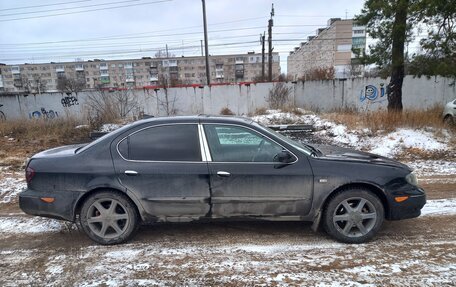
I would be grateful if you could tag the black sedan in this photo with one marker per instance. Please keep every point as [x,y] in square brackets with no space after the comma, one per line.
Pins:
[182,169]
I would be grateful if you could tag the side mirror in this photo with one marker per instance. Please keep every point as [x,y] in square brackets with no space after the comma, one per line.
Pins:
[284,157]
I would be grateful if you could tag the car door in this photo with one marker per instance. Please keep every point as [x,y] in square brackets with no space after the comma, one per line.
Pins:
[246,179]
[162,165]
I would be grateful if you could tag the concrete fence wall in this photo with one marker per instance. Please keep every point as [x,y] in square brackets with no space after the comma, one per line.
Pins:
[361,94]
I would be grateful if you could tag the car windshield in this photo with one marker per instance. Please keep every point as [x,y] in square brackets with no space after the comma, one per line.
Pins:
[308,150]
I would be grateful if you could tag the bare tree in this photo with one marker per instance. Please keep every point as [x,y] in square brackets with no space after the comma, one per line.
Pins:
[324,73]
[109,106]
[355,69]
[278,96]
[34,85]
[70,84]
[166,103]
[124,102]
[164,54]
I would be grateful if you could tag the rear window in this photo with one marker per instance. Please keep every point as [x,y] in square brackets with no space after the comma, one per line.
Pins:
[163,143]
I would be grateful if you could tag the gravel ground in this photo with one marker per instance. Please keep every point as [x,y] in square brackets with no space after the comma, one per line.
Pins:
[417,252]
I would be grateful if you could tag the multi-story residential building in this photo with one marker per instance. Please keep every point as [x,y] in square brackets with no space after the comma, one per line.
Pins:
[137,73]
[331,47]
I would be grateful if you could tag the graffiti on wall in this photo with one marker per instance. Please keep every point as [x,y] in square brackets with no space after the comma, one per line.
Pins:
[372,93]
[69,101]
[2,115]
[43,114]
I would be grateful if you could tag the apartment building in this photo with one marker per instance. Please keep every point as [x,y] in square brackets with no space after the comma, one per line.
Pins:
[135,73]
[332,46]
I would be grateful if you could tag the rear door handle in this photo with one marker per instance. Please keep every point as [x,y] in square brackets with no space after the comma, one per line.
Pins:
[223,174]
[131,172]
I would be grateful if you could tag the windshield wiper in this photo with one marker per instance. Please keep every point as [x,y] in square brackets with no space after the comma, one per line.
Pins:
[314,150]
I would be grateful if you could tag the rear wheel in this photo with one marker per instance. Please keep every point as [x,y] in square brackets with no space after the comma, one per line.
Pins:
[108,217]
[353,216]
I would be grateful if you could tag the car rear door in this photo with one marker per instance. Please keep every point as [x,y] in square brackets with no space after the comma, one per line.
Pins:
[247,181]
[163,167]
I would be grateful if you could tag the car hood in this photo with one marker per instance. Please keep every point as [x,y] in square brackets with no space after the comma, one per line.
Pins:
[345,154]
[59,151]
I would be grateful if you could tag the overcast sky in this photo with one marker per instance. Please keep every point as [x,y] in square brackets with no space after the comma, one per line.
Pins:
[141,27]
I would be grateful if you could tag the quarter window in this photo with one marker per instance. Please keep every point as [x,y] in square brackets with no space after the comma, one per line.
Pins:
[238,144]
[163,143]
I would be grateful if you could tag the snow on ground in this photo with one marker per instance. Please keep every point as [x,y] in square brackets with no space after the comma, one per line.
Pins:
[25,224]
[28,224]
[433,167]
[11,184]
[109,127]
[389,145]
[394,142]
[186,262]
[440,207]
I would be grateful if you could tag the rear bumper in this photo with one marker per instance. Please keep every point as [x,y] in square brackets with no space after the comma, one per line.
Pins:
[409,208]
[62,208]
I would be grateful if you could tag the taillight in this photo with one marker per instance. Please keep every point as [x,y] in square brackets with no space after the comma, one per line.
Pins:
[29,174]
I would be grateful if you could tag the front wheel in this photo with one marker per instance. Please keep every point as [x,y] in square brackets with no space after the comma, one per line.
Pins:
[449,121]
[108,217]
[353,216]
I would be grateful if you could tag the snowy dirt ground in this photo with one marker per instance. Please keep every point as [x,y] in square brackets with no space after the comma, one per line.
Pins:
[416,252]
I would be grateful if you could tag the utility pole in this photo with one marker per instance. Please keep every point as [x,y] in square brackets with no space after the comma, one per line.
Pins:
[202,53]
[270,24]
[262,56]
[206,49]
[167,54]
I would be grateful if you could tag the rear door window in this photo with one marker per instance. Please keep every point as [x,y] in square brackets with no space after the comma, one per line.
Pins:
[163,143]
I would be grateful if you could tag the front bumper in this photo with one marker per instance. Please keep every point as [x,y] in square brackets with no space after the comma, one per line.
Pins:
[409,208]
[62,208]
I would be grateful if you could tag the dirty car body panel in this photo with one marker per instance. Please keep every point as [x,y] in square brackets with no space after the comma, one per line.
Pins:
[202,167]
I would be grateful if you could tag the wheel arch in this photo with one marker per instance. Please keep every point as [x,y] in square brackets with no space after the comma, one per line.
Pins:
[361,185]
[81,199]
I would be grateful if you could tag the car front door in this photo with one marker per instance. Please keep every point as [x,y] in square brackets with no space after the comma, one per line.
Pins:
[247,180]
[162,166]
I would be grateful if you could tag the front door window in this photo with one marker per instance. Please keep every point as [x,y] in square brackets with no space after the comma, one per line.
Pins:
[229,143]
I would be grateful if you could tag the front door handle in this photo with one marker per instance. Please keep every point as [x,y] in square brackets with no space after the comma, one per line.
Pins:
[131,172]
[223,174]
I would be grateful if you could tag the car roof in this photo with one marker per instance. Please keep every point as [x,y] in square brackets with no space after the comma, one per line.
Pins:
[198,119]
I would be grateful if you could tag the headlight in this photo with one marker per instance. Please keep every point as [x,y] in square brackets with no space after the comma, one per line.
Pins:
[412,179]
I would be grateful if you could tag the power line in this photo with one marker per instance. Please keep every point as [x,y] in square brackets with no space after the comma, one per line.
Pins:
[310,25]
[114,52]
[27,50]
[121,36]
[90,10]
[54,51]
[72,47]
[136,37]
[68,8]
[44,5]
[309,16]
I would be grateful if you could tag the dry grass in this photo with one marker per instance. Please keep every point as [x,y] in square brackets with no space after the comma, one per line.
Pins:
[260,112]
[22,138]
[292,110]
[285,109]
[383,121]
[226,112]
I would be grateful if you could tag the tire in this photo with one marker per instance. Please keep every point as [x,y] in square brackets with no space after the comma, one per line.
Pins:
[353,216]
[109,217]
[449,121]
